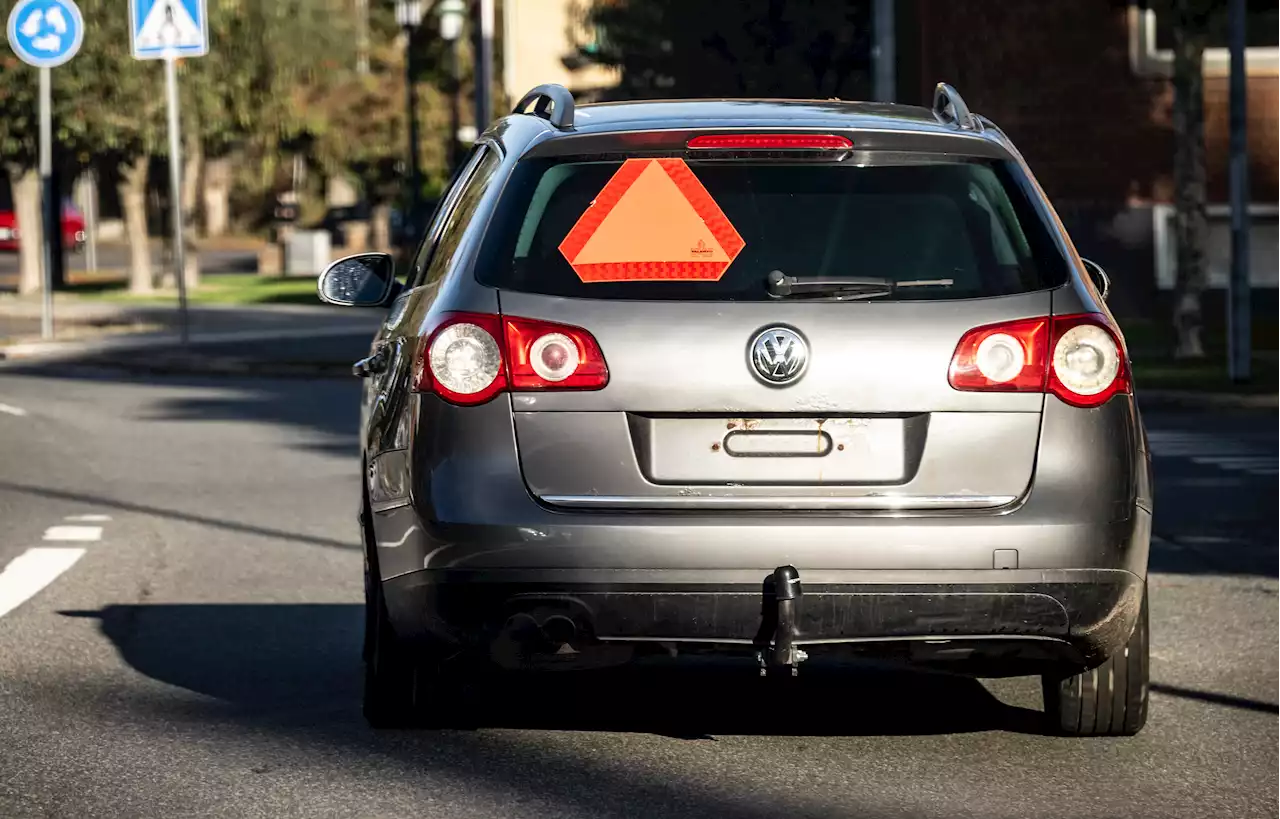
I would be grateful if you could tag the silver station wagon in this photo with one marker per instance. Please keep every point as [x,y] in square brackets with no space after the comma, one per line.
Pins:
[765,377]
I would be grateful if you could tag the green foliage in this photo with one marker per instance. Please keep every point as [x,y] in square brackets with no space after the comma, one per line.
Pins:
[280,80]
[246,90]
[105,103]
[19,117]
[747,48]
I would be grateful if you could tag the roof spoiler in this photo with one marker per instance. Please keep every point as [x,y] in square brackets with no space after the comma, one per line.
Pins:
[950,109]
[551,102]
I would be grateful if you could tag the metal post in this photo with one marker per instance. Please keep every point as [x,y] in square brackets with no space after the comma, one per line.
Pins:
[1239,337]
[51,227]
[91,222]
[175,191]
[455,121]
[484,66]
[415,180]
[884,56]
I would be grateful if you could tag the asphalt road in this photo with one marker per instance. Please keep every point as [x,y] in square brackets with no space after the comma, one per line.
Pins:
[200,657]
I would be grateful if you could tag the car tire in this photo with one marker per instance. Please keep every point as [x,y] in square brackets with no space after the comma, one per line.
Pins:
[390,674]
[1110,700]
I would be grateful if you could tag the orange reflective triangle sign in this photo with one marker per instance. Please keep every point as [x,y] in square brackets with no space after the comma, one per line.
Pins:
[653,221]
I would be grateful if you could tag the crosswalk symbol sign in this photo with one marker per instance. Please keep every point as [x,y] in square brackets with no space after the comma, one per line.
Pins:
[163,29]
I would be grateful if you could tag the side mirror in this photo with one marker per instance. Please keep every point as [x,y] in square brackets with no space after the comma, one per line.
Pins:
[1100,278]
[362,280]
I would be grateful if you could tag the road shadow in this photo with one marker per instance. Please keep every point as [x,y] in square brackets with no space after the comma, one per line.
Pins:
[327,406]
[263,658]
[99,501]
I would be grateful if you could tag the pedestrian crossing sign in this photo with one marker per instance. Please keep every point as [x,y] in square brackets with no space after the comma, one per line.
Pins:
[167,29]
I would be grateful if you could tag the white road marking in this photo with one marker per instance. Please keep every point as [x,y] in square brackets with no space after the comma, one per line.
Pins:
[31,571]
[10,409]
[78,533]
[89,518]
[1252,456]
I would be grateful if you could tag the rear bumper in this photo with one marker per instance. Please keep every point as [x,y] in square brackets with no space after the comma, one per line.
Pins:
[1089,613]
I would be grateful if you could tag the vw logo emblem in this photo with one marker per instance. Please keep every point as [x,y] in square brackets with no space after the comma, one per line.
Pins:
[779,355]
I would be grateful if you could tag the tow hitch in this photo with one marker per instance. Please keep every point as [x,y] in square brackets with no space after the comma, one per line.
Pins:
[776,639]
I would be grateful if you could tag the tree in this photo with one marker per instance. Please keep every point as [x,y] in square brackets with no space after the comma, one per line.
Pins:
[364,133]
[759,48]
[111,107]
[1191,24]
[242,98]
[19,128]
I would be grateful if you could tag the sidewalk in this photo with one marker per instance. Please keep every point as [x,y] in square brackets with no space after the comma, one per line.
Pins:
[279,339]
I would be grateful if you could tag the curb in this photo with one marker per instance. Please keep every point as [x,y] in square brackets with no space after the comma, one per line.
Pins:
[62,349]
[1186,399]
[221,366]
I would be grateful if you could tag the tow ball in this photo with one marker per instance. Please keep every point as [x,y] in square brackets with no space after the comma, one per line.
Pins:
[778,627]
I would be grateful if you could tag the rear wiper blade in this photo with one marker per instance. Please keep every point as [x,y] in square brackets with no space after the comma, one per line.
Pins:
[782,286]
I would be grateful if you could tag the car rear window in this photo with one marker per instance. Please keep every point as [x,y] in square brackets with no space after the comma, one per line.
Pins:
[965,223]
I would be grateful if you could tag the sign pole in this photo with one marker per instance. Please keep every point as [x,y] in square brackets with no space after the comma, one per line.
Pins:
[91,222]
[175,191]
[1239,301]
[49,199]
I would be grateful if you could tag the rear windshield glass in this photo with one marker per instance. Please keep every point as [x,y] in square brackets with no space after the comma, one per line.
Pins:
[947,230]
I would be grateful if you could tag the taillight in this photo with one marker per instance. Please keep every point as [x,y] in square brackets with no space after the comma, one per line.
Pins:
[1078,358]
[546,356]
[1007,357]
[770,142]
[1088,365]
[468,358]
[461,360]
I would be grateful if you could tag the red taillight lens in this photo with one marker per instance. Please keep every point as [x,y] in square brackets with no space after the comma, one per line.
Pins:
[770,142]
[1007,357]
[468,358]
[1087,360]
[547,356]
[462,360]
[1078,358]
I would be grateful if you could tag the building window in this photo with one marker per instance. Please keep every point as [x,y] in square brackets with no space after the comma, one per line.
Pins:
[1264,248]
[1151,39]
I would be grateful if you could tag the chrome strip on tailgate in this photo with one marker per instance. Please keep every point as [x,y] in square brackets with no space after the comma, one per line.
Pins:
[784,501]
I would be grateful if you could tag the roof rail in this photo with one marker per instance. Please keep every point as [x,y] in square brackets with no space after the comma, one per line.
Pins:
[551,102]
[949,107]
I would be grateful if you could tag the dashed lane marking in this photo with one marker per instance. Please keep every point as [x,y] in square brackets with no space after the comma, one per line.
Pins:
[89,518]
[10,409]
[31,571]
[1251,455]
[74,533]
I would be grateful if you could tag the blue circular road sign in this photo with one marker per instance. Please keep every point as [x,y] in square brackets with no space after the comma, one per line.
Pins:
[45,33]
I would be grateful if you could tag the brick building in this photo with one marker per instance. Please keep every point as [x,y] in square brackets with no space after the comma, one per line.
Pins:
[1082,86]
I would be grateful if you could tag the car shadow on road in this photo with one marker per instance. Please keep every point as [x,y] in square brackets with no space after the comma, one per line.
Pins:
[263,658]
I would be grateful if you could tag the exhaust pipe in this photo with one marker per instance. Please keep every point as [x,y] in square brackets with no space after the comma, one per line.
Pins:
[560,631]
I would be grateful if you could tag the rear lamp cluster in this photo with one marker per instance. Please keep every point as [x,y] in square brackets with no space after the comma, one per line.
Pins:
[468,358]
[1078,358]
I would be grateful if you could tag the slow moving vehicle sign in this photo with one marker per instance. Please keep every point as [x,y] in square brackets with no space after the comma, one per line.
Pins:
[653,221]
[160,29]
[45,33]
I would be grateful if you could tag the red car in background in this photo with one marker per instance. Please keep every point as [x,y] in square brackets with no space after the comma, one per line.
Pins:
[72,228]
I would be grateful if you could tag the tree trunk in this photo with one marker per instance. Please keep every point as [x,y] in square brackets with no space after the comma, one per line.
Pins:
[1190,221]
[25,183]
[192,160]
[192,167]
[217,195]
[133,201]
[380,227]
